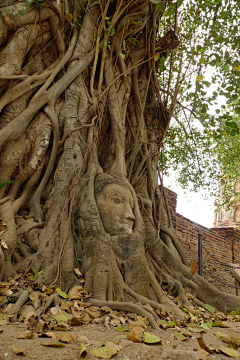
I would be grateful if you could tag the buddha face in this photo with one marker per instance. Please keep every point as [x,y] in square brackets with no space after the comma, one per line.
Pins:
[115,204]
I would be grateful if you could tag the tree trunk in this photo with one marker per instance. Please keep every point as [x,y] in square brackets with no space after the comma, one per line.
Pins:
[82,125]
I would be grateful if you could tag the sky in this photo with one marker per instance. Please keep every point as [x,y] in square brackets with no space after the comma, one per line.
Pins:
[192,205]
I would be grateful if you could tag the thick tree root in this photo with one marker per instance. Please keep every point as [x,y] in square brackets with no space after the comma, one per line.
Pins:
[125,306]
[20,302]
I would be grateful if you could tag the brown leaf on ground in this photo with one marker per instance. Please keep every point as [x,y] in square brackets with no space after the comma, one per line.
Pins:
[38,326]
[27,334]
[56,309]
[224,337]
[83,352]
[202,354]
[62,327]
[230,352]
[85,319]
[35,299]
[49,334]
[76,292]
[54,344]
[92,312]
[235,339]
[203,345]
[47,290]
[67,337]
[139,323]
[74,321]
[136,334]
[1,330]
[4,319]
[19,351]
[4,290]
[115,322]
[65,306]
[81,303]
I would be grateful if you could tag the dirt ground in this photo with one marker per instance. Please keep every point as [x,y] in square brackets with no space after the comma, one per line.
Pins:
[97,333]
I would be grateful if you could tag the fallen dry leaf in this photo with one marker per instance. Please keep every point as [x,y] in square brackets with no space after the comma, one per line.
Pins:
[77,292]
[35,299]
[62,327]
[203,345]
[136,334]
[230,352]
[224,337]
[4,290]
[55,344]
[107,351]
[67,337]
[19,351]
[202,354]
[56,309]
[83,352]
[48,334]
[27,334]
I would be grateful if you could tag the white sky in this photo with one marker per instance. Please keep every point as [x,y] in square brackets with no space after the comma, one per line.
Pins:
[192,205]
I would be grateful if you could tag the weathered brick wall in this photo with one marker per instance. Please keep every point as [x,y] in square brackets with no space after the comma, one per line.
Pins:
[222,243]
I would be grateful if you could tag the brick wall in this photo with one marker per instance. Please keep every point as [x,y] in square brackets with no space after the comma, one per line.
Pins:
[222,243]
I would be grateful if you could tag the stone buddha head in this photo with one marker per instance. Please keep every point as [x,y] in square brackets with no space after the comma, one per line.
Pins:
[115,204]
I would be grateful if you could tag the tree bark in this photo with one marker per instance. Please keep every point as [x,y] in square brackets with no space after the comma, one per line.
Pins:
[82,124]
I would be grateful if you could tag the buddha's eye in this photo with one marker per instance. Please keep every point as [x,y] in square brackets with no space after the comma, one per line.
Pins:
[116,200]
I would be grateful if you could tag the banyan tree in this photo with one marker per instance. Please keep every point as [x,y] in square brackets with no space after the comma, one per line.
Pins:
[82,124]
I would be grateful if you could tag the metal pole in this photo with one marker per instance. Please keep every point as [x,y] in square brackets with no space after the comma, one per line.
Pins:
[200,260]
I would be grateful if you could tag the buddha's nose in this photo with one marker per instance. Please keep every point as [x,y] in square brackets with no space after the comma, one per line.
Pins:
[129,213]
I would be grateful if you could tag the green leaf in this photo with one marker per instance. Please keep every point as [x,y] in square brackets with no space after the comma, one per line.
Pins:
[112,32]
[121,328]
[237,110]
[233,132]
[62,293]
[137,23]
[104,352]
[195,329]
[20,13]
[160,7]
[122,56]
[61,317]
[206,326]
[179,335]
[151,339]
[210,308]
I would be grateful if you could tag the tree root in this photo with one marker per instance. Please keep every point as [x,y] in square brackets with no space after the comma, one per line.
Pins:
[125,306]
[21,300]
